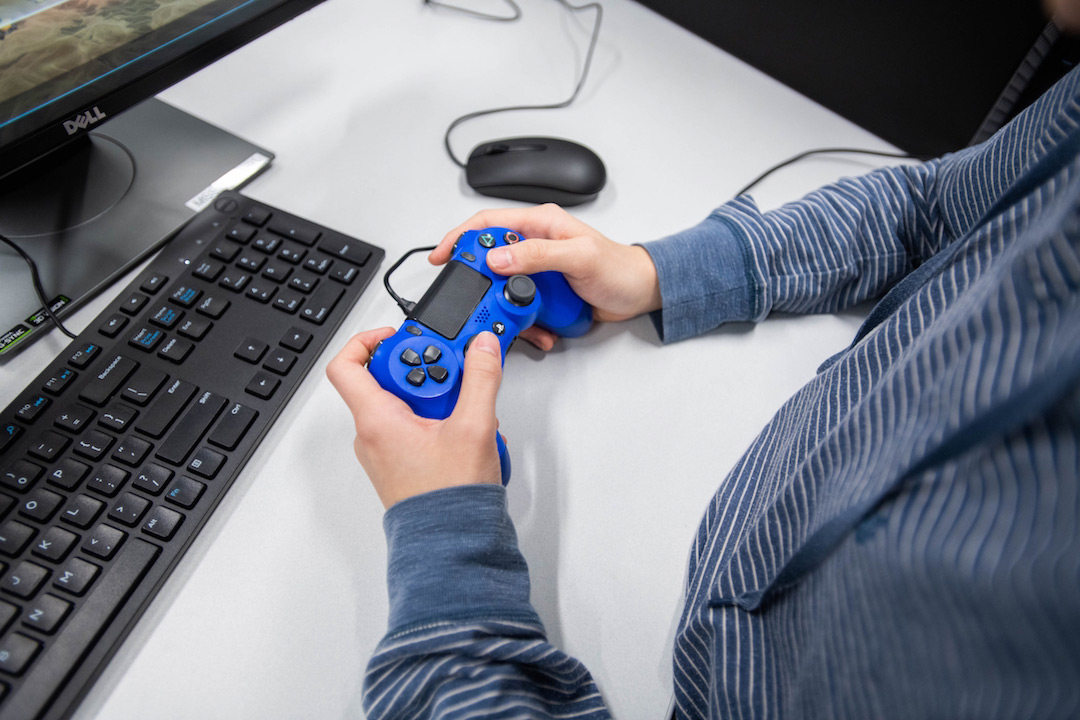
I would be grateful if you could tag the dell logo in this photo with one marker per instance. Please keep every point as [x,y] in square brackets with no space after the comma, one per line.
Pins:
[83,121]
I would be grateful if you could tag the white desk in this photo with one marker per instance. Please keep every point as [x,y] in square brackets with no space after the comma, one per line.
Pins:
[617,443]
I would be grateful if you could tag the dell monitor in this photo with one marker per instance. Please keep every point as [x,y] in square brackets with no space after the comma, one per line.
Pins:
[96,173]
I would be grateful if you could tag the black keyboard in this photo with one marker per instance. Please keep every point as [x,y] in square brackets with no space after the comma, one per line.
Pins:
[112,460]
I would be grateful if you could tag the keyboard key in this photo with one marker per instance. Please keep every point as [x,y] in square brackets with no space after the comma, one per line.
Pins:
[232,426]
[263,385]
[24,579]
[117,417]
[82,511]
[68,473]
[129,508]
[185,492]
[251,350]
[46,613]
[166,408]
[41,504]
[8,433]
[103,541]
[162,523]
[113,325]
[82,357]
[191,427]
[153,478]
[176,350]
[59,380]
[74,418]
[16,652]
[321,303]
[14,537]
[49,446]
[93,445]
[351,250]
[102,386]
[21,475]
[77,576]
[107,480]
[206,463]
[33,407]
[132,451]
[153,283]
[55,544]
[143,384]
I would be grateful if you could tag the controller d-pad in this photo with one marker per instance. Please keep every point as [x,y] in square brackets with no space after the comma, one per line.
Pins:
[432,354]
[416,377]
[438,373]
[410,357]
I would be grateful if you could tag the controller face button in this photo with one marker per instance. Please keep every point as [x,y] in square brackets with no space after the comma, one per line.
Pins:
[487,240]
[432,354]
[511,238]
[410,357]
[416,377]
[438,373]
[413,330]
[520,290]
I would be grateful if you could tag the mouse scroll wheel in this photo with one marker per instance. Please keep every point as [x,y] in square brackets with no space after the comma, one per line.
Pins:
[498,149]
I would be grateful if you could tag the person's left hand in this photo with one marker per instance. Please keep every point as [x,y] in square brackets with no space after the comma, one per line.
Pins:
[406,455]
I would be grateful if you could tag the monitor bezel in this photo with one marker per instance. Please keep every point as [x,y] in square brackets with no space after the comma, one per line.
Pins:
[146,80]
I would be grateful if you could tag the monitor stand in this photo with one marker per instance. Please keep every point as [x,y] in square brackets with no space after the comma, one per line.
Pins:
[90,216]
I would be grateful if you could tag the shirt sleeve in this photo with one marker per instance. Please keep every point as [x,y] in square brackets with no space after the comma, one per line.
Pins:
[849,241]
[838,246]
[463,638]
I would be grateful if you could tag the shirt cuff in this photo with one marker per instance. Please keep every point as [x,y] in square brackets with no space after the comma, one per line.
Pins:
[452,555]
[705,279]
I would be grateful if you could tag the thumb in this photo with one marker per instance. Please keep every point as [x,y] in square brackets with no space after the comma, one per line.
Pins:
[480,382]
[533,256]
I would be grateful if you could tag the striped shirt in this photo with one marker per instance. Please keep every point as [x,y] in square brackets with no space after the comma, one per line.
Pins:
[902,538]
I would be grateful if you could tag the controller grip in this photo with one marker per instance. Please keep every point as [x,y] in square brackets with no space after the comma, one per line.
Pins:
[504,458]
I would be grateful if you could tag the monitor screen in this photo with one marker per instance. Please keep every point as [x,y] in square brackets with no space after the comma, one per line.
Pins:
[96,173]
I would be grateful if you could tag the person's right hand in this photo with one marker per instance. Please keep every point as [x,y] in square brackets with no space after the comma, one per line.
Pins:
[619,281]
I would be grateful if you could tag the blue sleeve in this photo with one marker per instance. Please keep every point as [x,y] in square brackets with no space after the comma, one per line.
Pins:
[849,241]
[463,638]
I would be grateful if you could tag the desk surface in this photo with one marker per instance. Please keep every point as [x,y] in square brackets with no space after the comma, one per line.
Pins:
[617,443]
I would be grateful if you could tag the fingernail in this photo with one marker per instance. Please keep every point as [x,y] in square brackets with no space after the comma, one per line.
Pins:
[486,342]
[500,258]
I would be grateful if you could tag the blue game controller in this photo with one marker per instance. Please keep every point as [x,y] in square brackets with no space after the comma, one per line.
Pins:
[422,362]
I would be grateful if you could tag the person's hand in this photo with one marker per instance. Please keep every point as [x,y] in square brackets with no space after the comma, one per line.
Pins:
[405,454]
[619,281]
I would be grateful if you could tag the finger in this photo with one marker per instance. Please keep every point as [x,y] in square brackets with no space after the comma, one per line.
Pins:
[540,255]
[538,221]
[541,338]
[480,381]
[347,372]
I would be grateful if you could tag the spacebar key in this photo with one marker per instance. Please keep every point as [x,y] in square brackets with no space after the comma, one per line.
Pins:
[50,672]
[187,432]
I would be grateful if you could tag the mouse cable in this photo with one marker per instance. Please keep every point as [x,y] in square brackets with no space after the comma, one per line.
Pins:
[406,305]
[35,278]
[554,106]
[826,151]
[466,11]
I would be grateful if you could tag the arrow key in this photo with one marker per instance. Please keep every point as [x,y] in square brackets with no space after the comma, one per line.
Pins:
[263,385]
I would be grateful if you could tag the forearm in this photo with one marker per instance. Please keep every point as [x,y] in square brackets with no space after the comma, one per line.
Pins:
[463,636]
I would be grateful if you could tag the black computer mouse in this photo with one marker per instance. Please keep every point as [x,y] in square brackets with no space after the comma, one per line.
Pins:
[536,170]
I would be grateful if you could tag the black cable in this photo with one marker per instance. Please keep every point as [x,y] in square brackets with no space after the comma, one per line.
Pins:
[36,279]
[577,90]
[406,305]
[821,151]
[513,5]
